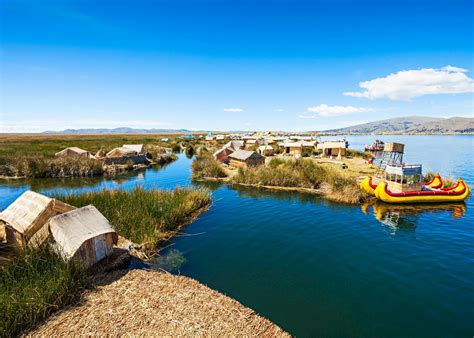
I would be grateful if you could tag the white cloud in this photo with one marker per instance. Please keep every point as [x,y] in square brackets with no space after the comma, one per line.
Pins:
[407,84]
[330,111]
[233,110]
[279,110]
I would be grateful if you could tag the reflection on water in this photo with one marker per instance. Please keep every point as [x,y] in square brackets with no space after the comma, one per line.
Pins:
[405,217]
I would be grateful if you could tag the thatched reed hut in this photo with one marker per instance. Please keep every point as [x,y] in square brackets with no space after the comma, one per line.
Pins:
[83,234]
[333,148]
[244,158]
[222,155]
[251,143]
[26,219]
[234,145]
[120,152]
[100,154]
[138,148]
[265,150]
[74,152]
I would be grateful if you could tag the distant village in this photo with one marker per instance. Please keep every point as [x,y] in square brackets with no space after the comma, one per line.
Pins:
[241,149]
[251,149]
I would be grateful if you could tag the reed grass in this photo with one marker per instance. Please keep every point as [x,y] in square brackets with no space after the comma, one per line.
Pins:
[205,166]
[34,284]
[428,176]
[33,155]
[302,173]
[361,154]
[39,167]
[146,217]
[449,182]
[283,173]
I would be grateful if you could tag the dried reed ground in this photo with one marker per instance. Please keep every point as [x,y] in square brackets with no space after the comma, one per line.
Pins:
[150,303]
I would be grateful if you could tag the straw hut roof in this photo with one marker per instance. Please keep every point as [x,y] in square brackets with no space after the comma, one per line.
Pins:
[72,151]
[289,144]
[100,153]
[121,151]
[31,211]
[234,145]
[307,143]
[22,214]
[223,152]
[71,229]
[265,148]
[139,148]
[332,144]
[243,155]
[251,141]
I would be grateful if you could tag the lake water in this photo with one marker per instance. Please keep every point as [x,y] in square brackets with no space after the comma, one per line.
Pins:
[323,269]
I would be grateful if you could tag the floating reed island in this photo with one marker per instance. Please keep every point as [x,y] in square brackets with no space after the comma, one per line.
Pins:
[52,242]
[334,179]
[79,156]
[150,303]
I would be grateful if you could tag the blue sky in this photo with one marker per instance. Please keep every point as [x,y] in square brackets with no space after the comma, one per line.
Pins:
[232,65]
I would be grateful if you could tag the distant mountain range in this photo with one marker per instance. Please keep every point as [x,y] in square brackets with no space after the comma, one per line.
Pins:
[412,125]
[122,130]
[399,125]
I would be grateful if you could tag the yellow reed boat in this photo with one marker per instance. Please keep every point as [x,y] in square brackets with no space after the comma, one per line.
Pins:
[457,193]
[369,187]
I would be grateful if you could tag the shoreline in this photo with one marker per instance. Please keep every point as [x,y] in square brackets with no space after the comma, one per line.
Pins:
[161,302]
[322,192]
[108,171]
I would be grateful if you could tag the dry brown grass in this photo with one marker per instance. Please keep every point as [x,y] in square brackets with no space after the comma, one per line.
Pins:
[150,303]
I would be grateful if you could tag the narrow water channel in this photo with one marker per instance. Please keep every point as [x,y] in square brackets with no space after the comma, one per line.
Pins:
[318,268]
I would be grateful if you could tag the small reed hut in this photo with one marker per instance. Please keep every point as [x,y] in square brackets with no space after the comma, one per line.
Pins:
[244,158]
[139,148]
[333,148]
[292,148]
[27,217]
[265,150]
[74,152]
[120,152]
[234,145]
[222,155]
[251,143]
[100,154]
[83,234]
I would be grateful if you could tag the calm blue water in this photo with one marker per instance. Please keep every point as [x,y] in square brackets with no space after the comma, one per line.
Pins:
[322,269]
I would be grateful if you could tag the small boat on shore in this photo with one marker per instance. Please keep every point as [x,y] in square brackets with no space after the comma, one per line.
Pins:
[377,145]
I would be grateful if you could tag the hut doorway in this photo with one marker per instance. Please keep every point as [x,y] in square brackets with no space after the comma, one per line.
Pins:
[100,249]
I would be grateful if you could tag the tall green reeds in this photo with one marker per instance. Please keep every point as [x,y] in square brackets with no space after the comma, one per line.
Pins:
[144,216]
[302,173]
[362,154]
[38,166]
[283,173]
[34,284]
[205,166]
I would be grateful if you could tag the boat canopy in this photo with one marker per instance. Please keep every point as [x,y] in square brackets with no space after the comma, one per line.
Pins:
[408,175]
[404,169]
